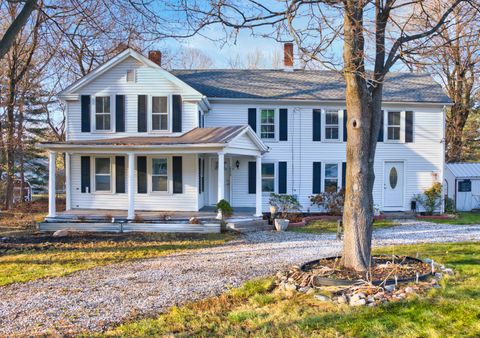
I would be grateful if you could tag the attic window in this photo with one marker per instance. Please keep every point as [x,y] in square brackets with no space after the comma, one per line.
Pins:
[130,75]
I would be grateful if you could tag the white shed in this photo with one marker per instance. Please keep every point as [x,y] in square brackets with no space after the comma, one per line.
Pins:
[462,184]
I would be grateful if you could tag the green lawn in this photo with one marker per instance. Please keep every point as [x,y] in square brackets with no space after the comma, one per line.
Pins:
[254,310]
[321,226]
[461,218]
[31,258]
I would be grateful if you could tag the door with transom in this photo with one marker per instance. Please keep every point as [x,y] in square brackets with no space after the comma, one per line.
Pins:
[393,185]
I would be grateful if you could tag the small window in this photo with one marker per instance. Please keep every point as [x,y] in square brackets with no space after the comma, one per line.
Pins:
[102,113]
[159,174]
[268,177]
[394,125]
[159,113]
[331,125]
[102,174]
[331,177]
[393,178]
[131,76]
[267,123]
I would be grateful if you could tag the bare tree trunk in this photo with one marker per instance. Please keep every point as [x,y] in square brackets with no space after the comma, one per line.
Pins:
[454,136]
[358,207]
[10,146]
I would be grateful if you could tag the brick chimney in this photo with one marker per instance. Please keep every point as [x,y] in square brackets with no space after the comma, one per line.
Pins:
[288,55]
[155,56]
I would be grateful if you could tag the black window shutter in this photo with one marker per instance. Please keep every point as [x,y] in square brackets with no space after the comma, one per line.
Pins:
[120,174]
[317,178]
[177,174]
[345,121]
[344,174]
[120,113]
[142,114]
[142,174]
[317,124]
[203,175]
[283,124]
[85,173]
[177,114]
[380,131]
[252,177]
[252,118]
[85,103]
[282,177]
[409,126]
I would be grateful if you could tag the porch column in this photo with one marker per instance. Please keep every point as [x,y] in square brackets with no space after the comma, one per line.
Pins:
[221,177]
[131,186]
[52,157]
[67,182]
[258,187]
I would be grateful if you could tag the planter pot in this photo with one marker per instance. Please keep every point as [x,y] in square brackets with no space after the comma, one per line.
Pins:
[281,224]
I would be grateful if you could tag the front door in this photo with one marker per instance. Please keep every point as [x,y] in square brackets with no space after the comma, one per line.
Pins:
[393,185]
[214,180]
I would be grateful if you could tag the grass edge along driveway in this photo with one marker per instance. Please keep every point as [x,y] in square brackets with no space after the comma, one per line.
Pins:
[26,260]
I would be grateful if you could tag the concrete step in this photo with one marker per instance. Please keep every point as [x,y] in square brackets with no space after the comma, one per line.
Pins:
[249,225]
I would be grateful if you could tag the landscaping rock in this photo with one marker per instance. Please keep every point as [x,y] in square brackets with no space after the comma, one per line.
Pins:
[358,302]
[322,298]
[370,299]
[304,289]
[409,289]
[448,272]
[389,288]
[342,299]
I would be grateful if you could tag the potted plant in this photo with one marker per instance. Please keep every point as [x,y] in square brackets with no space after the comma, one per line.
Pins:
[224,210]
[283,205]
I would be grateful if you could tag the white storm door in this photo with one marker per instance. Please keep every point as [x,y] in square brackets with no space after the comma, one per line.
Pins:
[393,185]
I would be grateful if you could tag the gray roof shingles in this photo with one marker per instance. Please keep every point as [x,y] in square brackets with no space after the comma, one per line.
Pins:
[304,85]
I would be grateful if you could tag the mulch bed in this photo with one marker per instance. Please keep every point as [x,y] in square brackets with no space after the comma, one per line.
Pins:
[383,267]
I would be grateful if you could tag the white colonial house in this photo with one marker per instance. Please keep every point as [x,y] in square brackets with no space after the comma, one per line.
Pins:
[140,138]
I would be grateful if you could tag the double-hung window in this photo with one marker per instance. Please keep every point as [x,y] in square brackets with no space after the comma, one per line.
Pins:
[103,174]
[331,125]
[102,113]
[268,177]
[159,113]
[331,177]
[393,131]
[159,174]
[267,123]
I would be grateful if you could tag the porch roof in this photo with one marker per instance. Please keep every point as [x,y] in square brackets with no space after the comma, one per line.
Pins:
[217,137]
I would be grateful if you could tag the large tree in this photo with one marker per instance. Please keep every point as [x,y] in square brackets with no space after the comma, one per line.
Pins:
[374,36]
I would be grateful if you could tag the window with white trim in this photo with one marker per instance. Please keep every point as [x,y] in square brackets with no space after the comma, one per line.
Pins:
[102,113]
[159,113]
[267,123]
[268,177]
[331,125]
[159,174]
[331,177]
[393,131]
[103,174]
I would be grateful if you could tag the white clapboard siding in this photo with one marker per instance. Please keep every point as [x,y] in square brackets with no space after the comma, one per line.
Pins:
[422,157]
[132,227]
[113,82]
[187,201]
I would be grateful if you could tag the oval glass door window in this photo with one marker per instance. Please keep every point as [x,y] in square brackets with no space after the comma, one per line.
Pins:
[393,177]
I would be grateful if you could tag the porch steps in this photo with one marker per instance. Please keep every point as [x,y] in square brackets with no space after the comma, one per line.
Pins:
[248,225]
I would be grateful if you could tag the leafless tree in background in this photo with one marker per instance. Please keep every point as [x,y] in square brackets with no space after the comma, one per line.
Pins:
[455,59]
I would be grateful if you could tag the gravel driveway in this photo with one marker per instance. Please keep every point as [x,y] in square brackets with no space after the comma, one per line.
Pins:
[97,298]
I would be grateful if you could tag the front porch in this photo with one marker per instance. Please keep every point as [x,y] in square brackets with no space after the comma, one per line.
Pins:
[156,178]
